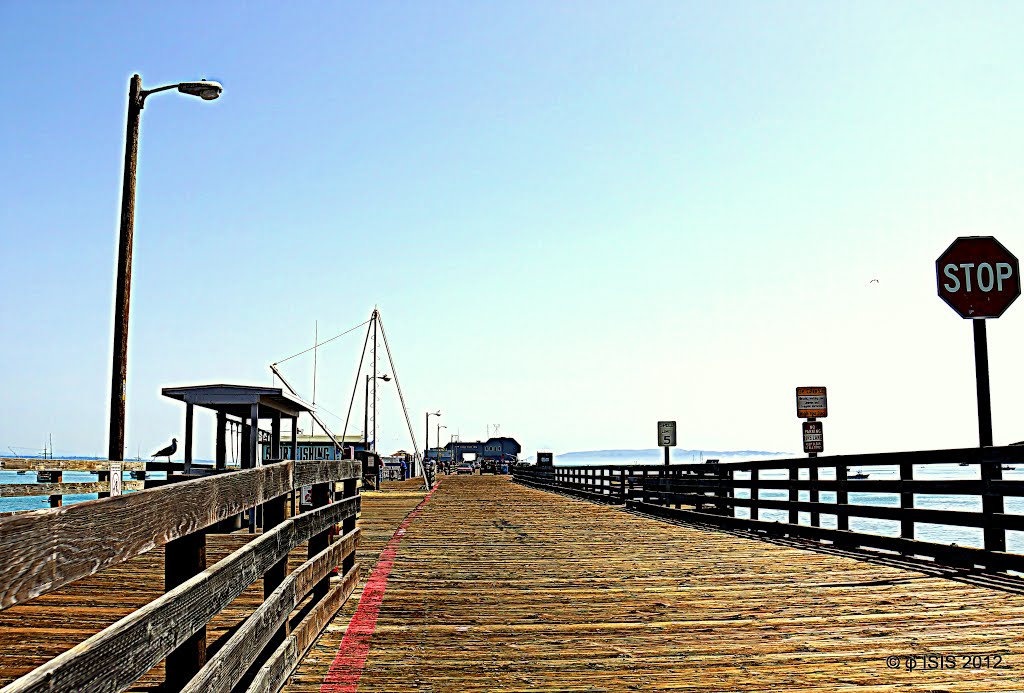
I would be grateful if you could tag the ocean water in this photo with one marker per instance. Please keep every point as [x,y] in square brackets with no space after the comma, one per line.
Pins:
[943,534]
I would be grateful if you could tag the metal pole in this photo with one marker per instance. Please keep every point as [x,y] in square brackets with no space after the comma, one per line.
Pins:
[995,538]
[366,416]
[666,454]
[119,369]
[981,374]
[375,381]
[426,438]
[812,476]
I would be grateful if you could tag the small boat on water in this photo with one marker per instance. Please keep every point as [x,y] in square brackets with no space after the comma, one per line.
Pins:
[857,475]
[965,464]
[1006,466]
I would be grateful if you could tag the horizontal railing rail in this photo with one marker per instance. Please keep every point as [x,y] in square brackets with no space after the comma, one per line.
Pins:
[46,549]
[715,493]
[48,475]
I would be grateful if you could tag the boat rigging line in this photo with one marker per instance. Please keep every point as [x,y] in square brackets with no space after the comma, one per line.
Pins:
[326,341]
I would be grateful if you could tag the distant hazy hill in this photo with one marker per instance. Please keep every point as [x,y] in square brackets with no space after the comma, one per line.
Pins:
[656,455]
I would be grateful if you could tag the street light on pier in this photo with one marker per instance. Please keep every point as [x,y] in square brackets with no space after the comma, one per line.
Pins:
[426,435]
[207,91]
[366,412]
[439,427]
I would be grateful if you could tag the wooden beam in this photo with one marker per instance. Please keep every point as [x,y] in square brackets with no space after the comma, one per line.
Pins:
[189,419]
[70,488]
[221,450]
[39,464]
[184,558]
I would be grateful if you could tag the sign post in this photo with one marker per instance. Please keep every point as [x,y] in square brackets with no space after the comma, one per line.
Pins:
[979,279]
[811,404]
[667,436]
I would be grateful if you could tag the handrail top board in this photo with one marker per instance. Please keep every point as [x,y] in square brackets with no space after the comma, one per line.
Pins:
[43,465]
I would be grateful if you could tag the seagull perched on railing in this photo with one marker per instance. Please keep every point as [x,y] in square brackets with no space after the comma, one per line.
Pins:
[168,451]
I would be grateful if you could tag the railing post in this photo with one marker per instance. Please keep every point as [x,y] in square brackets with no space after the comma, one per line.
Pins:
[348,524]
[842,501]
[992,503]
[906,500]
[812,495]
[726,491]
[755,475]
[55,476]
[321,496]
[794,495]
[184,558]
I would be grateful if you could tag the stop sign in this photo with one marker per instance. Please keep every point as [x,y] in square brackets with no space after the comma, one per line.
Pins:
[978,277]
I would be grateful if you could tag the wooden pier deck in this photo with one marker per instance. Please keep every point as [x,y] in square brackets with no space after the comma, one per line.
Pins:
[493,586]
[496,587]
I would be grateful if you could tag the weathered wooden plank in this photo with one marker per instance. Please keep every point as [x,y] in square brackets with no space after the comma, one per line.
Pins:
[39,464]
[274,674]
[310,472]
[49,548]
[65,489]
[114,658]
[241,650]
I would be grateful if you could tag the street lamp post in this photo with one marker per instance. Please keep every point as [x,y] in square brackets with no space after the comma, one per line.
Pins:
[366,413]
[439,427]
[207,91]
[426,442]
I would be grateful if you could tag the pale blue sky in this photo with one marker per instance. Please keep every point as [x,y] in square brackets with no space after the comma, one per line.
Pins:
[576,218]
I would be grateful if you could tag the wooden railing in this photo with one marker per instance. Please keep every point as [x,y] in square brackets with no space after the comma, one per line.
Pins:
[49,477]
[44,550]
[712,493]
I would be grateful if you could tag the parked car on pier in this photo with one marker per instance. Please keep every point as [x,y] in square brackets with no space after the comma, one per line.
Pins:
[464,468]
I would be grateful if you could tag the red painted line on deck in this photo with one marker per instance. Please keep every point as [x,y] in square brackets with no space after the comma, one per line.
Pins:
[347,667]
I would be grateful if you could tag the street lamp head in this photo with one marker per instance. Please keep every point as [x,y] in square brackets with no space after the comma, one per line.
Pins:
[207,91]
[385,377]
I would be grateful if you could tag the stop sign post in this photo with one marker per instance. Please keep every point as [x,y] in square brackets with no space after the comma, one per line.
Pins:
[979,279]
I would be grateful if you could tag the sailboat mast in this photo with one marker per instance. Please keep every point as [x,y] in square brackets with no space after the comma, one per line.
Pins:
[316,338]
[374,444]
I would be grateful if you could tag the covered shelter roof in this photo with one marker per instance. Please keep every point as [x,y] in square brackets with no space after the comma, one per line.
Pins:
[237,400]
